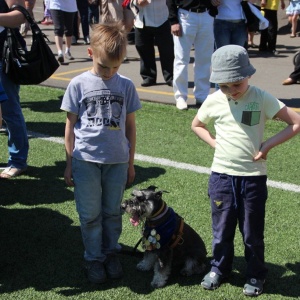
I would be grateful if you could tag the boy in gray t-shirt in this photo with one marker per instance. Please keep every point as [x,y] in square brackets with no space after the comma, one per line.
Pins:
[100,138]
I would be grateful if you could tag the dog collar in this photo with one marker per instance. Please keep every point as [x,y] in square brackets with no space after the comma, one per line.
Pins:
[164,206]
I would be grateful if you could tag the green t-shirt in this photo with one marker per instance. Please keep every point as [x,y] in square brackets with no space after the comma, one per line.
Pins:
[239,129]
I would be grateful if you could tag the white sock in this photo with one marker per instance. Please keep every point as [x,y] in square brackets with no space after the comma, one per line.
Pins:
[59,52]
[67,50]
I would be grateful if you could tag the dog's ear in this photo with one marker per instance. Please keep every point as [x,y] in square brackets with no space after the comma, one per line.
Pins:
[152,188]
[158,195]
[161,192]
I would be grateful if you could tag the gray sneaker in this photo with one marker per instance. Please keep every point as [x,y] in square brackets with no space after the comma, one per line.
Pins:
[113,267]
[69,56]
[95,271]
[253,287]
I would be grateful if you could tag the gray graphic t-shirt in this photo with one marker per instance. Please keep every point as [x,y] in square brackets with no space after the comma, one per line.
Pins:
[101,107]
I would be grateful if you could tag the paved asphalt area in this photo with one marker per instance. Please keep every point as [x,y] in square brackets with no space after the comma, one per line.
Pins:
[270,70]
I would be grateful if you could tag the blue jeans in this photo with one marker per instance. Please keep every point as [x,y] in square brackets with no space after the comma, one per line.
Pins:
[98,193]
[12,114]
[238,200]
[227,33]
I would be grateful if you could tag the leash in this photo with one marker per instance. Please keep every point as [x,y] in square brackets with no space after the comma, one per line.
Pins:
[134,252]
[137,244]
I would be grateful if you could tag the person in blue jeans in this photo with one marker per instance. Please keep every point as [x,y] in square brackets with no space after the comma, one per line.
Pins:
[100,139]
[3,97]
[229,24]
[12,114]
[238,182]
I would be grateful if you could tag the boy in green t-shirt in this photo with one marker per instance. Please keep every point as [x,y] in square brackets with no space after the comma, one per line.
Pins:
[238,182]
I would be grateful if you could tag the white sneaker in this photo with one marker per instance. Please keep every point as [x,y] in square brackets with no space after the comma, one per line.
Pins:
[181,104]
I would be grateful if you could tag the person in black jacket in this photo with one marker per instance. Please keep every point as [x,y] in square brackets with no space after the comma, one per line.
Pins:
[153,28]
[294,76]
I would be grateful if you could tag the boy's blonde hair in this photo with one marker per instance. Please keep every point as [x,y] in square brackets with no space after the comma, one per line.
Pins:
[109,40]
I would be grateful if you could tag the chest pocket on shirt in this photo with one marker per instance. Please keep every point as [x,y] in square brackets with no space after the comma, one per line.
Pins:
[251,118]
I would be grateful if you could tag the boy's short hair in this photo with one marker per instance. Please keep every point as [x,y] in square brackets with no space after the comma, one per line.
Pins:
[109,40]
[230,64]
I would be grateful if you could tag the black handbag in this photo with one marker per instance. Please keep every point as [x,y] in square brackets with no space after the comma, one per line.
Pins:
[24,66]
[252,20]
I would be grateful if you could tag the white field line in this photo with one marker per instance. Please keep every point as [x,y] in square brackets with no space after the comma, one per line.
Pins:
[171,163]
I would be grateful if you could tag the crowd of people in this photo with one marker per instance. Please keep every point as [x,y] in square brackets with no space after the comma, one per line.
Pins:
[174,28]
[100,104]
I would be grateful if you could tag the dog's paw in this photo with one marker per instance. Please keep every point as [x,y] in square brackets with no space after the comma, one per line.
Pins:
[191,267]
[144,266]
[158,283]
[161,275]
[148,261]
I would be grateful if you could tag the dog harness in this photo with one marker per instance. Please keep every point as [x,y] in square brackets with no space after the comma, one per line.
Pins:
[165,229]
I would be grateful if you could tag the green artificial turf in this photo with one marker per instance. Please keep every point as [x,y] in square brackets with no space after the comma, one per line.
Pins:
[41,248]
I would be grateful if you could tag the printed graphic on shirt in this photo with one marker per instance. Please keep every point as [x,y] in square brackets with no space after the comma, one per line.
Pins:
[104,109]
[251,115]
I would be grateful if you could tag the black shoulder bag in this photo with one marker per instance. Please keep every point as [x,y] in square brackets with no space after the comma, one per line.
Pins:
[25,66]
[252,19]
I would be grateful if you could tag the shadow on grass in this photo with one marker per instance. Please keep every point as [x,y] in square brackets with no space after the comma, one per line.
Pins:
[48,106]
[143,174]
[44,186]
[41,249]
[56,129]
[277,282]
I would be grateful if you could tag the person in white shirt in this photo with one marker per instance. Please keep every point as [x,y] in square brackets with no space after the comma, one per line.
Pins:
[229,24]
[192,26]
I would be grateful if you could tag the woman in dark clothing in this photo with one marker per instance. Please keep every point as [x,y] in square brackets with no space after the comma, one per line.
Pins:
[294,76]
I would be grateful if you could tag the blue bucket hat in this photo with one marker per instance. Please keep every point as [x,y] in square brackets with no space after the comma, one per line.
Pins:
[230,64]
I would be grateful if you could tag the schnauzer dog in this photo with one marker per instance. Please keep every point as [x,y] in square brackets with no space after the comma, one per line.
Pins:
[166,237]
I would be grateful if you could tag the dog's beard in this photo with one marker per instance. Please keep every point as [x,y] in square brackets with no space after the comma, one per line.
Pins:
[140,211]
